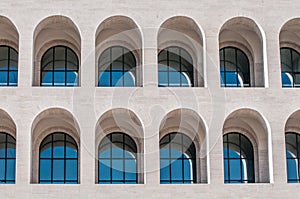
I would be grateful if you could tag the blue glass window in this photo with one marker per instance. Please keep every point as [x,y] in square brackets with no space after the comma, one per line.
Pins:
[177,159]
[117,68]
[292,141]
[58,160]
[238,159]
[175,68]
[8,66]
[7,158]
[234,68]
[59,67]
[290,68]
[117,161]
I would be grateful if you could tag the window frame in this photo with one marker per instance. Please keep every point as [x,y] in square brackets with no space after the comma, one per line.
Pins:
[8,70]
[192,150]
[292,72]
[52,158]
[65,70]
[237,69]
[190,69]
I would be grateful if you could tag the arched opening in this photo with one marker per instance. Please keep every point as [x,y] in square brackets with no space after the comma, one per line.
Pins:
[243,34]
[7,149]
[183,129]
[61,33]
[119,130]
[177,33]
[245,142]
[113,35]
[289,40]
[55,139]
[9,47]
[292,143]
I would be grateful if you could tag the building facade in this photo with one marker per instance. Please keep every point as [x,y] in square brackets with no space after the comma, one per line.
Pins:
[218,80]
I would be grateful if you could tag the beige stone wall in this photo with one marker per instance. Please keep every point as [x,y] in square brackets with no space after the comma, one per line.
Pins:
[268,106]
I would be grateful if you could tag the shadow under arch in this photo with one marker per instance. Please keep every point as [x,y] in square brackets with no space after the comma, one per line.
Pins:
[125,121]
[55,30]
[9,34]
[50,121]
[247,35]
[7,124]
[255,127]
[184,32]
[191,124]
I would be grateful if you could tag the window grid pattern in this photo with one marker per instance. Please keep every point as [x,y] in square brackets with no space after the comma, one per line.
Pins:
[293,157]
[7,158]
[59,67]
[238,159]
[117,68]
[117,160]
[8,66]
[234,68]
[58,162]
[290,67]
[175,68]
[177,148]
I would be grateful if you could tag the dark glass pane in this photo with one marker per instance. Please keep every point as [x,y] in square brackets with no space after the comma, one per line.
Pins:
[47,78]
[3,78]
[177,170]
[59,79]
[71,150]
[117,78]
[162,56]
[296,61]
[104,79]
[130,170]
[165,170]
[10,169]
[287,79]
[59,53]
[11,150]
[72,78]
[2,150]
[13,78]
[72,62]
[117,169]
[174,79]
[286,61]
[104,61]
[129,78]
[163,79]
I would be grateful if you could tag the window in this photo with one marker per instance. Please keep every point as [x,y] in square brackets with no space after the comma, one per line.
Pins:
[117,68]
[290,67]
[117,163]
[59,67]
[234,68]
[7,158]
[238,159]
[292,141]
[177,159]
[175,68]
[58,160]
[8,66]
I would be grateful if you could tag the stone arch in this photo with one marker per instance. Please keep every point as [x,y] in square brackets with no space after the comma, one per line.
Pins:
[254,126]
[190,123]
[53,31]
[49,121]
[120,31]
[184,32]
[125,121]
[245,34]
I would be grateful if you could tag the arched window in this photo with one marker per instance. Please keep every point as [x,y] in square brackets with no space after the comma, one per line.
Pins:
[175,68]
[177,159]
[117,163]
[58,163]
[292,141]
[234,68]
[8,66]
[290,67]
[238,159]
[7,158]
[117,68]
[59,67]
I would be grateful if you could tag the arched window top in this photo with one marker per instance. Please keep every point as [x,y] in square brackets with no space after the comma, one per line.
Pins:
[177,159]
[117,160]
[290,67]
[238,159]
[175,68]
[117,67]
[59,67]
[234,68]
[58,159]
[292,142]
[7,158]
[8,66]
